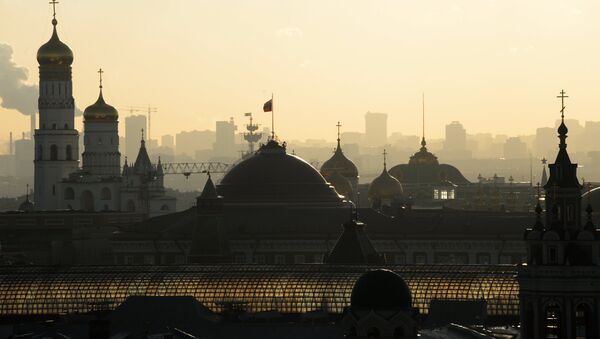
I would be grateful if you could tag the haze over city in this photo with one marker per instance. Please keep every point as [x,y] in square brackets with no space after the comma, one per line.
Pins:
[488,64]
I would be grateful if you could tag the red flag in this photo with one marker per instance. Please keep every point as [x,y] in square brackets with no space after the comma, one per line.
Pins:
[268,106]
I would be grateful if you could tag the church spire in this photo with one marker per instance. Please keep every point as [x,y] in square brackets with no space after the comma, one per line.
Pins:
[423,142]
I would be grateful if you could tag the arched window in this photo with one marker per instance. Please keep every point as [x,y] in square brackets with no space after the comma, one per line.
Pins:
[40,154]
[552,319]
[53,152]
[53,189]
[164,208]
[53,126]
[69,193]
[66,126]
[373,333]
[105,194]
[69,153]
[584,322]
[87,201]
[130,206]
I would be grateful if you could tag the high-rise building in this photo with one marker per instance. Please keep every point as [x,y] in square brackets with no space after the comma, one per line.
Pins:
[514,148]
[134,125]
[375,129]
[225,139]
[56,139]
[167,140]
[544,141]
[456,137]
[188,142]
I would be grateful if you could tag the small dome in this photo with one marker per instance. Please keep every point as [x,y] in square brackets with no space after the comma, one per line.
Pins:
[423,156]
[271,174]
[26,206]
[339,162]
[380,290]
[100,111]
[562,129]
[54,52]
[385,186]
[340,183]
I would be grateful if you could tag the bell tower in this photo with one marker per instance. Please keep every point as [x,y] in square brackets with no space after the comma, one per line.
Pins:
[56,139]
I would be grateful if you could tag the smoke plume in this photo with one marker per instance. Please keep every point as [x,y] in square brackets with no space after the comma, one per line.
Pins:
[15,92]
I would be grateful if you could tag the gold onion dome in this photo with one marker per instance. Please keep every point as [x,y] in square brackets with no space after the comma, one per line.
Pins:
[340,183]
[339,162]
[100,111]
[385,186]
[54,52]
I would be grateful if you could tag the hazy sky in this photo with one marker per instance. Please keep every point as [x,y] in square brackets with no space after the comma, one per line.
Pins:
[496,66]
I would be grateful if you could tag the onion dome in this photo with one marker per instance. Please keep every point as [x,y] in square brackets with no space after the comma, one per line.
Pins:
[340,183]
[273,175]
[381,290]
[54,52]
[338,162]
[385,186]
[100,110]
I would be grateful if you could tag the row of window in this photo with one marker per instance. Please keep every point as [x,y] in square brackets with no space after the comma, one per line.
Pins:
[54,152]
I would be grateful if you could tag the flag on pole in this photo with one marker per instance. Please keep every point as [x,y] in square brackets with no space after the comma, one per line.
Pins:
[247,114]
[268,106]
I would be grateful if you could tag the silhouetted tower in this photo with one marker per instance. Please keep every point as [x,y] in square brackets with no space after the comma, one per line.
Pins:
[252,136]
[558,285]
[56,139]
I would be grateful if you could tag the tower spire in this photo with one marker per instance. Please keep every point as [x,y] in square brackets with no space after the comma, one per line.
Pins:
[338,133]
[423,142]
[100,71]
[384,159]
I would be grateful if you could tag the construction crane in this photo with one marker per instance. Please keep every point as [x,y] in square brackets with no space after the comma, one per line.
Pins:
[150,111]
[133,109]
[189,168]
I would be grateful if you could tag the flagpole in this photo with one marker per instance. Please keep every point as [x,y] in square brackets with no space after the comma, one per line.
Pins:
[272,118]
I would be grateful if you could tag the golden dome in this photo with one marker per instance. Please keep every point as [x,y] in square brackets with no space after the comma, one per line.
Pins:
[340,183]
[338,162]
[385,186]
[100,111]
[54,52]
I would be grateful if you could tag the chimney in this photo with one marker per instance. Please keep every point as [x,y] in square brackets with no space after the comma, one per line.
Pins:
[10,145]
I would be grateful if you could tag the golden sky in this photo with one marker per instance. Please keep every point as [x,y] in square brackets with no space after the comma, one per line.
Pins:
[496,66]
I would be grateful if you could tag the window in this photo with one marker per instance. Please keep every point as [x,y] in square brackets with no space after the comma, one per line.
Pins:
[130,206]
[436,194]
[69,153]
[259,259]
[53,126]
[66,126]
[584,323]
[69,193]
[279,259]
[40,155]
[420,258]
[552,255]
[299,259]
[105,194]
[239,258]
[149,259]
[53,189]
[483,259]
[400,259]
[53,152]
[552,321]
[164,208]
[444,195]
[451,194]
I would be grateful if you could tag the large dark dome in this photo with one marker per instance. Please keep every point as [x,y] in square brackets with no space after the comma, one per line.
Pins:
[272,175]
[54,52]
[380,290]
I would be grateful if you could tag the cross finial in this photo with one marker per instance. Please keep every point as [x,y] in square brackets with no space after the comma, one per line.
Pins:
[562,97]
[142,134]
[338,127]
[384,158]
[53,3]
[100,71]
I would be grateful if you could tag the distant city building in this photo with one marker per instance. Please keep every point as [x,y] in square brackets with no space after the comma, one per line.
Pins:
[134,124]
[545,141]
[224,145]
[455,144]
[167,140]
[188,142]
[375,129]
[514,148]
[23,158]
